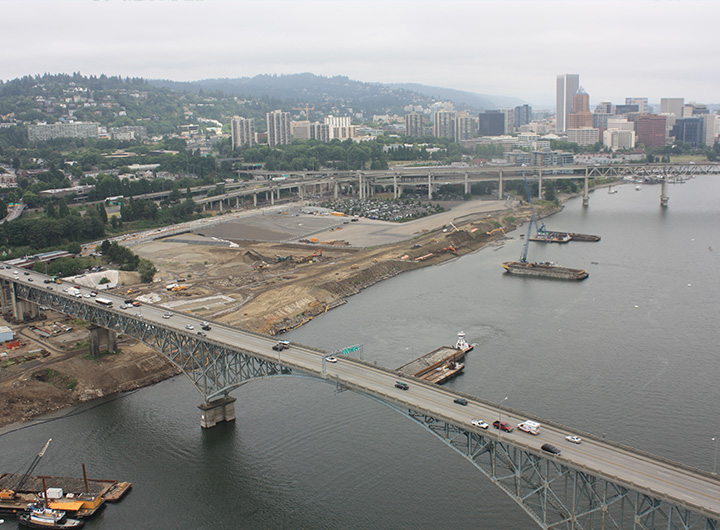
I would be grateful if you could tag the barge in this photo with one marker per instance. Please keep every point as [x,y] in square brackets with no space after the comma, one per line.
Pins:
[544,270]
[441,364]
[563,237]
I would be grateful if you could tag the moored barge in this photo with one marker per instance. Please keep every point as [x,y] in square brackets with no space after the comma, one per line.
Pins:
[544,270]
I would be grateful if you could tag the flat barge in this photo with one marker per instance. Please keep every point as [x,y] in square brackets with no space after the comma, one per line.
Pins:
[544,270]
[79,497]
[441,364]
[563,237]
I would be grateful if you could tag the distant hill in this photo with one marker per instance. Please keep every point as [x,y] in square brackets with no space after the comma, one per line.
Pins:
[459,97]
[334,94]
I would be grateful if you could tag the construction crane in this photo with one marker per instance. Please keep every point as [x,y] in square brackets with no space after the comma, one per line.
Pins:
[10,494]
[307,109]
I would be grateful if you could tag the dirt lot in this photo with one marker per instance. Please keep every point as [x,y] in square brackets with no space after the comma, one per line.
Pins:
[253,272]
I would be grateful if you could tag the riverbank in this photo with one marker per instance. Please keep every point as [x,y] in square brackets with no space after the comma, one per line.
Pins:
[273,298]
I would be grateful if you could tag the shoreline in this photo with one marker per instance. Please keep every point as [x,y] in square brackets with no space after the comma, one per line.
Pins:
[380,263]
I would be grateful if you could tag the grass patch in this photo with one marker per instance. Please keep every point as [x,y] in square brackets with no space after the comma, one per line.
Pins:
[55,378]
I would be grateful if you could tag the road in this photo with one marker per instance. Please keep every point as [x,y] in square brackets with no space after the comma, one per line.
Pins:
[639,471]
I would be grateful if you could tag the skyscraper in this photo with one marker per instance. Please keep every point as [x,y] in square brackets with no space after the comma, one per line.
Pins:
[278,128]
[672,106]
[443,124]
[414,124]
[491,123]
[242,131]
[523,115]
[580,116]
[567,86]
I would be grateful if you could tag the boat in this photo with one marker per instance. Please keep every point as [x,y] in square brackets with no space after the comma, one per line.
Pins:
[544,270]
[611,191]
[40,516]
[462,344]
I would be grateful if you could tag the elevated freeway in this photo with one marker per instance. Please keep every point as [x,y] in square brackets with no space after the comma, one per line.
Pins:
[596,484]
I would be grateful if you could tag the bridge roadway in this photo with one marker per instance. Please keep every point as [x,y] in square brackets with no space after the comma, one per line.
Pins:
[660,478]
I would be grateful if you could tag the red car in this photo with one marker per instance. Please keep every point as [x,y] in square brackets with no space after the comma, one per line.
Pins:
[503,426]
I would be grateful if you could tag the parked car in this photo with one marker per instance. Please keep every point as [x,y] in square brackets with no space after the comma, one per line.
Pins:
[550,448]
[573,439]
[502,425]
[479,423]
[460,401]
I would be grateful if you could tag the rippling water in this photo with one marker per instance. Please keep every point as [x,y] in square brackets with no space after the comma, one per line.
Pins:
[629,353]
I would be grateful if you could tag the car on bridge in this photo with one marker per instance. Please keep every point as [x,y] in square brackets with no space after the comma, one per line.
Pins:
[189,326]
[401,385]
[331,359]
[460,401]
[479,423]
[502,425]
[281,345]
[206,326]
[550,448]
[573,439]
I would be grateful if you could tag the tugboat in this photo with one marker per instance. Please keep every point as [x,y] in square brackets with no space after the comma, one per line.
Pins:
[40,516]
[462,344]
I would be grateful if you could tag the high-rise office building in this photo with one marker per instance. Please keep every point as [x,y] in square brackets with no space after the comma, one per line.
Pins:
[491,123]
[650,129]
[642,103]
[689,131]
[711,128]
[523,115]
[414,124]
[580,117]
[672,106]
[242,131]
[443,124]
[566,87]
[278,128]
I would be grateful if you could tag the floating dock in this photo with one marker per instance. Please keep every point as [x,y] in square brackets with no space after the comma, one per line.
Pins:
[441,364]
[544,270]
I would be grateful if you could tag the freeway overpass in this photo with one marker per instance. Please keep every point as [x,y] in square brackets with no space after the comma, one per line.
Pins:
[596,484]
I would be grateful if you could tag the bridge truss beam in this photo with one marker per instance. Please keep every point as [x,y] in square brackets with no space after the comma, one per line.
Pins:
[214,368]
[556,496]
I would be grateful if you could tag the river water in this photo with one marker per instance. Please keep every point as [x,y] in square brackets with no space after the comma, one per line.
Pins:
[630,353]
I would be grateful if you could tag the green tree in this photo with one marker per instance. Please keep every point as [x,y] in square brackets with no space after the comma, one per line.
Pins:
[147,270]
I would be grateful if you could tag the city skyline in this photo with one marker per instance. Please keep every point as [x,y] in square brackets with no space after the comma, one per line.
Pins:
[647,48]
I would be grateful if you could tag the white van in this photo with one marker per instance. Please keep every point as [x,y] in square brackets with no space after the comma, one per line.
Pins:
[532,427]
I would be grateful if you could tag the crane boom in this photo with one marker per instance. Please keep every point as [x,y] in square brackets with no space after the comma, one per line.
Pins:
[32,467]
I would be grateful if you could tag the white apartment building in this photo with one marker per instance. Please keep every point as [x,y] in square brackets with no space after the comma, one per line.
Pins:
[584,136]
[615,139]
[278,128]
[77,129]
[242,132]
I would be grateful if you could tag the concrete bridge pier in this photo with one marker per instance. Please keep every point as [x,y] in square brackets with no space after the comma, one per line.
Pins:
[335,190]
[255,199]
[467,184]
[100,337]
[430,185]
[237,202]
[301,193]
[664,198]
[500,186]
[586,189]
[213,412]
[540,184]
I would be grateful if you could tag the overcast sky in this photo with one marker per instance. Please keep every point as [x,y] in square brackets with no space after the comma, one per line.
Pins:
[620,48]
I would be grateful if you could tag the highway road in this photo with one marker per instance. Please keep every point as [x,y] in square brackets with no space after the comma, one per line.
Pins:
[639,471]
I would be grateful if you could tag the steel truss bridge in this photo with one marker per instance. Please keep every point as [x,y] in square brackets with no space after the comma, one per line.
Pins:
[595,485]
